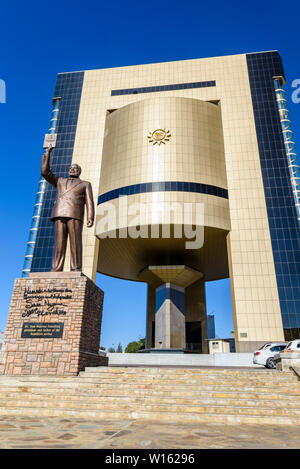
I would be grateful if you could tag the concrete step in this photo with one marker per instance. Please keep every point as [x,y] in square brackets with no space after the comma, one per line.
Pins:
[179,372]
[198,381]
[138,381]
[274,402]
[179,369]
[163,394]
[191,378]
[147,406]
[167,417]
[103,372]
[223,373]
[156,412]
[142,392]
[125,388]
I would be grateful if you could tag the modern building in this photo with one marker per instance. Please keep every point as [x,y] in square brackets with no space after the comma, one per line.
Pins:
[210,134]
[210,326]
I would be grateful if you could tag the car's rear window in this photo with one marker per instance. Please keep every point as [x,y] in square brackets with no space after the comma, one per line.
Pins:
[277,348]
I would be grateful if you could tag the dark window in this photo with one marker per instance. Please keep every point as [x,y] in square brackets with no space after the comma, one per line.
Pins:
[193,336]
[154,89]
[164,186]
[277,348]
[153,335]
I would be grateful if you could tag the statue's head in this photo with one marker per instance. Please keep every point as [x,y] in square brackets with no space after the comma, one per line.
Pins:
[74,170]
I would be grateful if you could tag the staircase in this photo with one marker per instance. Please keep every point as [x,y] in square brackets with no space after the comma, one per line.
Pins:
[179,395]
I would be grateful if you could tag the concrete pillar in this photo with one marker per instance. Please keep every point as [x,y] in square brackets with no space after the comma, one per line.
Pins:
[167,288]
[169,317]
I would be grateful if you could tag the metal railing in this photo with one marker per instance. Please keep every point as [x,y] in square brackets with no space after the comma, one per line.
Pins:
[297,373]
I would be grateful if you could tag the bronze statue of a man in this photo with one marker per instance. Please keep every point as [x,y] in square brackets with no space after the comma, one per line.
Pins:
[67,214]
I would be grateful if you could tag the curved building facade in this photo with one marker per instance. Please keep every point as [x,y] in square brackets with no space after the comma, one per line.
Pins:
[191,176]
[157,181]
[163,171]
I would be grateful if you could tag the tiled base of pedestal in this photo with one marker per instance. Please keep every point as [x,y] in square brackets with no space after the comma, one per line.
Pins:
[69,301]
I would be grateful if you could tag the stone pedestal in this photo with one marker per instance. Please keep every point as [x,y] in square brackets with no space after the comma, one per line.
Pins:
[286,359]
[53,326]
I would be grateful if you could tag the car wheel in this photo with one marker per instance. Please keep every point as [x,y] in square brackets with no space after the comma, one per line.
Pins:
[270,363]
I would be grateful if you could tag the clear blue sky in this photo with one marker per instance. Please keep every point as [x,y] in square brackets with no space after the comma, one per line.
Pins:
[40,39]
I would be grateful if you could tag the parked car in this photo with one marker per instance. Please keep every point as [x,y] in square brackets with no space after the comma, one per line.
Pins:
[293,346]
[265,355]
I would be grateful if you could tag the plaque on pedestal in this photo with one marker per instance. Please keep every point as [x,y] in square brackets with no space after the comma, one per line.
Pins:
[53,326]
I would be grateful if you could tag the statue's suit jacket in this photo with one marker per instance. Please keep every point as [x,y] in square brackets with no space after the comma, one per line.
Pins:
[71,195]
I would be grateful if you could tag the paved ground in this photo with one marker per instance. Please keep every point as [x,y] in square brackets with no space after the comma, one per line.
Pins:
[55,433]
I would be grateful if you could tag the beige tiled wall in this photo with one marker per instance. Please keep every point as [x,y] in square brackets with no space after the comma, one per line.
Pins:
[194,151]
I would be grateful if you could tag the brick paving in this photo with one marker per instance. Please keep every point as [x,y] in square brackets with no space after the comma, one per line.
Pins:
[63,433]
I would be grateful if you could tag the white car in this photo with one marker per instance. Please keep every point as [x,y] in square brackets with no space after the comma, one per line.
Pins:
[265,355]
[293,346]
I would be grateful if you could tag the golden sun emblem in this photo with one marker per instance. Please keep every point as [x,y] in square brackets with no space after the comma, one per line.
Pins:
[159,136]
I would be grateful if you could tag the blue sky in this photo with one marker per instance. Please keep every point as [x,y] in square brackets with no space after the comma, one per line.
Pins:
[39,39]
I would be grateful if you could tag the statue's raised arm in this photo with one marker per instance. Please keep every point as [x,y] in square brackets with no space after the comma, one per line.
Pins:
[45,168]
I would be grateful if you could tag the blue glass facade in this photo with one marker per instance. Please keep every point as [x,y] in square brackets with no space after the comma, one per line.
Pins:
[167,292]
[163,186]
[68,87]
[284,229]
